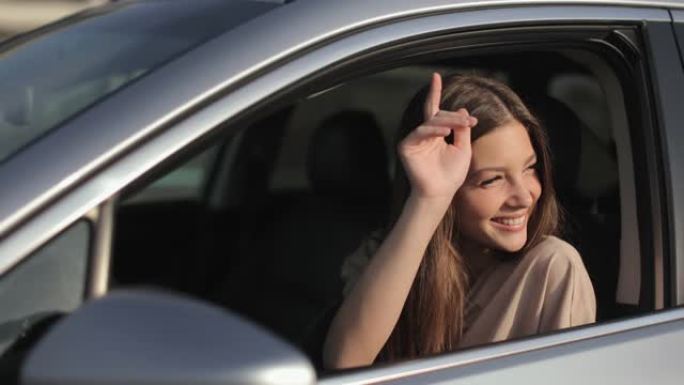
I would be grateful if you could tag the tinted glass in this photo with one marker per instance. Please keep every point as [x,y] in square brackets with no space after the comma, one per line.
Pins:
[59,73]
[50,281]
[184,183]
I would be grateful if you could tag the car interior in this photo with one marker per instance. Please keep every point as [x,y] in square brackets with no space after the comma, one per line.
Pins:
[261,216]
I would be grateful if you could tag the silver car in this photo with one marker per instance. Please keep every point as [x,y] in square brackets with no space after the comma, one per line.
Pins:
[182,180]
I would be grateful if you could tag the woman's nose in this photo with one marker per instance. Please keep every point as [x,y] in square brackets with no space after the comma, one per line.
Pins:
[520,195]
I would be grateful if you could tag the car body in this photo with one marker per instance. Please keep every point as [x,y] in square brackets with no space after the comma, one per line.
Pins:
[172,97]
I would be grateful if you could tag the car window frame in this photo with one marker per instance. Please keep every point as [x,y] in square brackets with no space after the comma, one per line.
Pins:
[182,134]
[668,84]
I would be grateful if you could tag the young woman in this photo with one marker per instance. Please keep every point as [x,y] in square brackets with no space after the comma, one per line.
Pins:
[472,257]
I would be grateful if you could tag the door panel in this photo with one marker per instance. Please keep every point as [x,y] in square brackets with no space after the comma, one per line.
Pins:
[641,350]
[651,355]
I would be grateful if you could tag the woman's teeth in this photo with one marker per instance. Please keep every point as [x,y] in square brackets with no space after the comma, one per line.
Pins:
[510,221]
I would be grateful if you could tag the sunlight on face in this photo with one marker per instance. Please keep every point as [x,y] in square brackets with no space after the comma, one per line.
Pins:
[501,190]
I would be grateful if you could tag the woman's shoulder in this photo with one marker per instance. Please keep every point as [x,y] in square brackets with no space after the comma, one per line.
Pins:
[555,268]
[554,255]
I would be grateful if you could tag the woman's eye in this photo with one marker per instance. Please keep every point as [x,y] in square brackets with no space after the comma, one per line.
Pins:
[490,181]
[531,168]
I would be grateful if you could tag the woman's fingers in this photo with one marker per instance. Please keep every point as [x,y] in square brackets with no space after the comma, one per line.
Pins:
[422,135]
[426,131]
[433,98]
[462,136]
[452,119]
[441,125]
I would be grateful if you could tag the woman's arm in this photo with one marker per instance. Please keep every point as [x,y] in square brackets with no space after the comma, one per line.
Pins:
[435,170]
[369,313]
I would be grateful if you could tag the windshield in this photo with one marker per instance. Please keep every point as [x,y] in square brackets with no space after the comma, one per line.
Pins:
[57,74]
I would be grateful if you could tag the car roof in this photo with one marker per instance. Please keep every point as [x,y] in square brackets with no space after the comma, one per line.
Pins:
[224,63]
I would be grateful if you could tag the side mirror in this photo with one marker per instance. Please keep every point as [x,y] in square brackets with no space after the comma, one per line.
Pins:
[145,337]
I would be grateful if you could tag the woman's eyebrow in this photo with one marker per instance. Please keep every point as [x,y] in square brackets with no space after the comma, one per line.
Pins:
[531,159]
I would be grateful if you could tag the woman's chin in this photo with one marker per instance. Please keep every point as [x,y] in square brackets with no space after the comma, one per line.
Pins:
[510,243]
[513,248]
[493,238]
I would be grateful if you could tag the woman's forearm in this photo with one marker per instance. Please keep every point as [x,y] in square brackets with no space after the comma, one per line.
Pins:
[370,312]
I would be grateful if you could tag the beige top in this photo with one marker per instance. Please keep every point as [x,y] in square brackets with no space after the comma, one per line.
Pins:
[545,290]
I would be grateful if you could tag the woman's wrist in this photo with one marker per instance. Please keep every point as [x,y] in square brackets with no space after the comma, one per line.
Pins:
[432,206]
[415,227]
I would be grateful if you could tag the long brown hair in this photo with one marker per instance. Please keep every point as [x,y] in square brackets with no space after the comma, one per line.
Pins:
[432,320]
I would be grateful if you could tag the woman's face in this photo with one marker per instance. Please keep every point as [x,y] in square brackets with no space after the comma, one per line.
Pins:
[494,204]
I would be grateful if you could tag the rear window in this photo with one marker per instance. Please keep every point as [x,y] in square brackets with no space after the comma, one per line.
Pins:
[52,75]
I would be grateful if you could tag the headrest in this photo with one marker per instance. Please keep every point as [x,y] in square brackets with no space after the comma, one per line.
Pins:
[347,157]
[564,130]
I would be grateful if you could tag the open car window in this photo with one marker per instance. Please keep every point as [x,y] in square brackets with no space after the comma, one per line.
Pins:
[280,216]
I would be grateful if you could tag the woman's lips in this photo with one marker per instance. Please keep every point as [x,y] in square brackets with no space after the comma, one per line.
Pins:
[510,223]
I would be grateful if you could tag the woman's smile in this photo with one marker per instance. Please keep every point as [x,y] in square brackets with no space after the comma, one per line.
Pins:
[509,223]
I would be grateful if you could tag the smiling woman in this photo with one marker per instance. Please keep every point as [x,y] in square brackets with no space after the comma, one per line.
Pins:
[472,258]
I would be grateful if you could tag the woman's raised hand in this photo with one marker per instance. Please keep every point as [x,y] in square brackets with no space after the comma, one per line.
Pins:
[435,168]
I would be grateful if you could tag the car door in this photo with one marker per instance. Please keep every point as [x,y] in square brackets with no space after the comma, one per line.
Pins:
[338,45]
[672,138]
